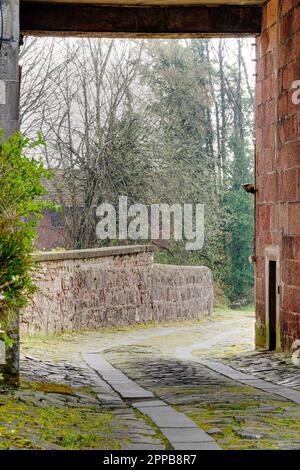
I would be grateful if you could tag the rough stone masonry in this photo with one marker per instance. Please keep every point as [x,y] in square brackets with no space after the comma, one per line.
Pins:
[9,68]
[88,289]
[277,214]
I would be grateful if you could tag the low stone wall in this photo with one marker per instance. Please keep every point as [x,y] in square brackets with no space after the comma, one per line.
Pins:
[88,289]
[181,292]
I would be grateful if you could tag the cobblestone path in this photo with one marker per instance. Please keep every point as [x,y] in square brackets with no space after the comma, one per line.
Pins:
[161,360]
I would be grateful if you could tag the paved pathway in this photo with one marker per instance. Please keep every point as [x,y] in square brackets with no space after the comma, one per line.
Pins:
[90,413]
[181,432]
[179,386]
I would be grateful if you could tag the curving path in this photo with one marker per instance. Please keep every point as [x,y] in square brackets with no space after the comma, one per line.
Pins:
[184,378]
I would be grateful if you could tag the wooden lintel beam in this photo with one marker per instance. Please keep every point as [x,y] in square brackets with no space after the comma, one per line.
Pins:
[55,19]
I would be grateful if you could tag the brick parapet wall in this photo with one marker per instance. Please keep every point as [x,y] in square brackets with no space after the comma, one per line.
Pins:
[88,289]
[278,163]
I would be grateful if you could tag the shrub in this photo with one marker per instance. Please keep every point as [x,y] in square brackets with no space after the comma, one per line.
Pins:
[21,205]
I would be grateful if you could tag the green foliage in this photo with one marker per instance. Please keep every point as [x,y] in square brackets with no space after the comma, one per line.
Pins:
[204,116]
[21,204]
[239,227]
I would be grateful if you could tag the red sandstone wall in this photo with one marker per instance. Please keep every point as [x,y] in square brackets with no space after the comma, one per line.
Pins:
[181,292]
[87,292]
[89,289]
[278,165]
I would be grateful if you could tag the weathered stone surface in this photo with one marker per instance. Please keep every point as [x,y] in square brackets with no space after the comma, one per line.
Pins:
[9,68]
[213,431]
[211,400]
[181,292]
[126,430]
[276,368]
[187,435]
[88,289]
[245,417]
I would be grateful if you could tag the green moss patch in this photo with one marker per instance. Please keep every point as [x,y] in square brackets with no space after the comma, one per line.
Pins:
[53,388]
[26,426]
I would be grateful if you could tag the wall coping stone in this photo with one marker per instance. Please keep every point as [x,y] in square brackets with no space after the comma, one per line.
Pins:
[93,252]
[179,266]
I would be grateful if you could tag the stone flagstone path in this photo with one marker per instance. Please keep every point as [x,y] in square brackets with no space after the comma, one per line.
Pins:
[199,383]
[181,432]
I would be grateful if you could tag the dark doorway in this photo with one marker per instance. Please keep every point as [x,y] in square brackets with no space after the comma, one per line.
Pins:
[272,304]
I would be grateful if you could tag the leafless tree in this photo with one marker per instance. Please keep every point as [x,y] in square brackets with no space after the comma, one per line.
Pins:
[88,103]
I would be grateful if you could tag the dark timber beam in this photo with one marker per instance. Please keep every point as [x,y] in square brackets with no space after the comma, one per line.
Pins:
[54,19]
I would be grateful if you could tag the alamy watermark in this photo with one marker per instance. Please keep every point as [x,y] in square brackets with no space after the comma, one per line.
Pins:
[296,94]
[154,222]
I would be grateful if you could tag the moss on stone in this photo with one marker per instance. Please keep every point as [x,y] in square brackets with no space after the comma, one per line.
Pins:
[260,335]
[158,434]
[268,428]
[25,426]
[62,389]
